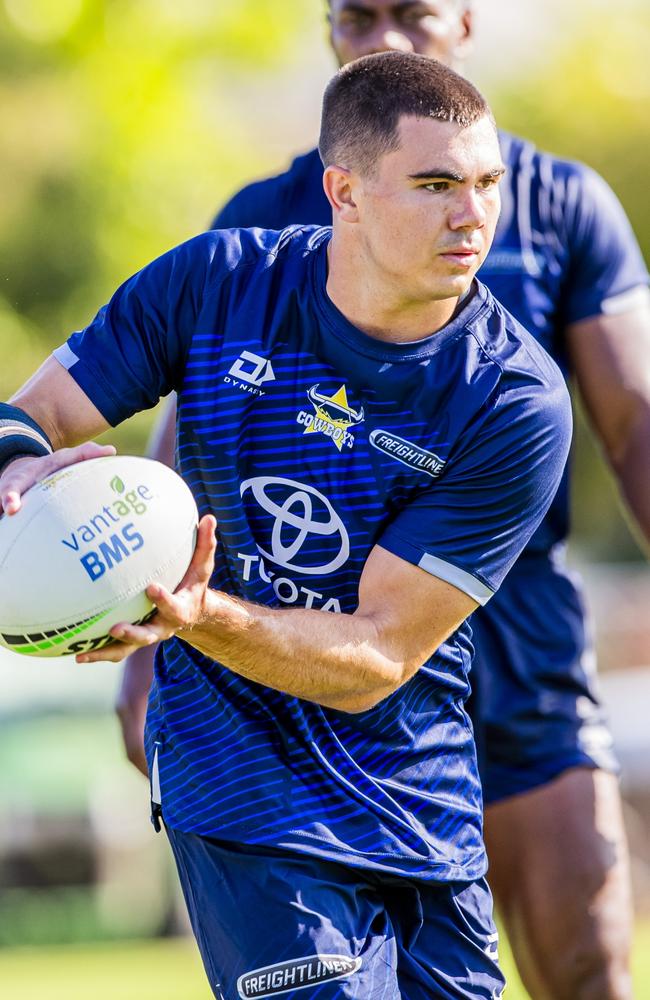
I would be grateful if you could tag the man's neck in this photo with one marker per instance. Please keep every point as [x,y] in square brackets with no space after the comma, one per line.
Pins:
[379,310]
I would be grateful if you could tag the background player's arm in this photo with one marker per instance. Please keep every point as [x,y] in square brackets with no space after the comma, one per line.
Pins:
[131,704]
[346,662]
[161,442]
[611,359]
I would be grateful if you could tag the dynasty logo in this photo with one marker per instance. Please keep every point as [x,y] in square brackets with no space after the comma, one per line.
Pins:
[296,974]
[332,416]
[249,373]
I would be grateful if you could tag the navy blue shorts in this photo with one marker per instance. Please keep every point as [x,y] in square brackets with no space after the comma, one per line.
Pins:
[271,923]
[535,705]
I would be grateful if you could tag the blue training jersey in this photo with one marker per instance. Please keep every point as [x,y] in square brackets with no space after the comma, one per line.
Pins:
[311,443]
[563,251]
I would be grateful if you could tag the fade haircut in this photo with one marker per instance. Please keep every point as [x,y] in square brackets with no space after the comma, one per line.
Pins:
[364,102]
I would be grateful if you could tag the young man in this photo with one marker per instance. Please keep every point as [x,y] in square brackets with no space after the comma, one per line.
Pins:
[376,437]
[566,264]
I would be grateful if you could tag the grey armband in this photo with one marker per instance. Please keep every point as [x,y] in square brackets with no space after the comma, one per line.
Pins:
[20,435]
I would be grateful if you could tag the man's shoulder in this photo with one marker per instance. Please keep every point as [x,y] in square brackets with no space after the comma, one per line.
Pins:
[301,169]
[519,153]
[302,166]
[232,248]
[519,355]
[560,179]
[291,197]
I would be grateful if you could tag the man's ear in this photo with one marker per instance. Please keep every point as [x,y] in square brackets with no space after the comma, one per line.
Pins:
[339,189]
[465,43]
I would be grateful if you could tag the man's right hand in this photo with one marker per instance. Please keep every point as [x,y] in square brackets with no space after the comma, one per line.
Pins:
[21,474]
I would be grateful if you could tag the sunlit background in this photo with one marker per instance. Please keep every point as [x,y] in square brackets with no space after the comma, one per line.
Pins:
[125,125]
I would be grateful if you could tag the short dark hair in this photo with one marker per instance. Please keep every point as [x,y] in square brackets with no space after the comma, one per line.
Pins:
[364,102]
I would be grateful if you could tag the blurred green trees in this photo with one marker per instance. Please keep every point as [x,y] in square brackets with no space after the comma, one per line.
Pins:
[122,131]
[125,124]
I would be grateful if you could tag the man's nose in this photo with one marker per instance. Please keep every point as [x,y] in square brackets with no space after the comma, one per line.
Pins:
[468,211]
[386,39]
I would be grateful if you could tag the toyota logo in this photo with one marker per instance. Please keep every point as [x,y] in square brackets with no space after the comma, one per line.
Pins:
[303,512]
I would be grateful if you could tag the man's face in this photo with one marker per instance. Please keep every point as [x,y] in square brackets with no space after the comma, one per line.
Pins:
[427,214]
[439,29]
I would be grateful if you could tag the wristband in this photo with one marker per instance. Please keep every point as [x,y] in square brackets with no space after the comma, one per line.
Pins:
[20,436]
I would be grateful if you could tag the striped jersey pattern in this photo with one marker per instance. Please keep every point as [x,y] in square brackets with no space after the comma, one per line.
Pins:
[312,442]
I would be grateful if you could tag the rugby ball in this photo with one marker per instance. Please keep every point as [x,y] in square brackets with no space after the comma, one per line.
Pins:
[87,541]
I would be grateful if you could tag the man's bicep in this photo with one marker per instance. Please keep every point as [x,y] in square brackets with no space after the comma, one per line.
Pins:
[611,360]
[54,400]
[413,611]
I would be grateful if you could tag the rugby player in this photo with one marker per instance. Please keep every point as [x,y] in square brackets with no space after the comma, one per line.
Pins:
[377,439]
[566,264]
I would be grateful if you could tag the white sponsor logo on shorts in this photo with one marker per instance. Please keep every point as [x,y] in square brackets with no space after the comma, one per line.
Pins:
[296,974]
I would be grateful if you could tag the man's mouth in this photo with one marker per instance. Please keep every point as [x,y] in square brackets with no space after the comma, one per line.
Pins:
[461,255]
[461,251]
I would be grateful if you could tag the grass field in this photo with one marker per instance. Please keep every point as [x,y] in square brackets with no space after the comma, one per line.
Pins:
[166,970]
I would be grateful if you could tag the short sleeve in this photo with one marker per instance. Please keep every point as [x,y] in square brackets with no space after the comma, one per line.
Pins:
[607,273]
[134,351]
[470,525]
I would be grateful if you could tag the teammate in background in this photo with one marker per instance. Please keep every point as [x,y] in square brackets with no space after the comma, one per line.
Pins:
[375,436]
[566,264]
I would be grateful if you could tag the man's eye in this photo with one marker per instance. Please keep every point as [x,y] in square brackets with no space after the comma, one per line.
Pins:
[488,182]
[416,17]
[357,19]
[437,186]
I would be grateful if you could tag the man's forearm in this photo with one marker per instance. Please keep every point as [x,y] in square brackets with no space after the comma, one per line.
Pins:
[335,660]
[632,468]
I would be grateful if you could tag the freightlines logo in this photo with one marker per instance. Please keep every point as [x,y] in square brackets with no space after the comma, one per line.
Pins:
[419,459]
[297,974]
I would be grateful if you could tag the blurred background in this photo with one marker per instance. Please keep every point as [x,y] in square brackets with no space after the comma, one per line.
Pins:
[125,125]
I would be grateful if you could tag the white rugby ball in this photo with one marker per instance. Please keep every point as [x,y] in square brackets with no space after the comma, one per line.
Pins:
[88,540]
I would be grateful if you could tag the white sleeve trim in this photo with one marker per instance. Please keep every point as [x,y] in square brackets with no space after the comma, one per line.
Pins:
[618,304]
[65,356]
[456,577]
